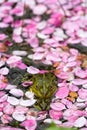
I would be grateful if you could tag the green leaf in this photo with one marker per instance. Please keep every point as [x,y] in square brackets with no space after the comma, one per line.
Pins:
[54,127]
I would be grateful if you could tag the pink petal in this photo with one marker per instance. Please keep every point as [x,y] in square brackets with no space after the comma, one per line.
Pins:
[74,52]
[2,85]
[17,39]
[71,64]
[27,83]
[48,30]
[9,128]
[63,75]
[3,98]
[21,65]
[13,59]
[83,128]
[8,109]
[6,119]
[8,19]
[57,106]
[82,93]
[29,124]
[17,11]
[55,114]
[73,87]
[79,81]
[84,42]
[2,37]
[80,73]
[21,109]
[62,92]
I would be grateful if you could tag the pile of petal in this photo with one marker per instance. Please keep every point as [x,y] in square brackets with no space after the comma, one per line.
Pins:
[47,27]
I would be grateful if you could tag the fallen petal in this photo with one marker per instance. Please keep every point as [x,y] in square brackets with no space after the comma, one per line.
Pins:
[57,106]
[62,92]
[18,116]
[12,100]
[79,81]
[80,122]
[29,94]
[16,92]
[4,71]
[32,70]
[27,103]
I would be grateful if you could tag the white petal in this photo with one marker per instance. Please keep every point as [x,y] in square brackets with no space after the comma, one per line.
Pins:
[18,116]
[27,103]
[84,86]
[9,86]
[30,56]
[41,25]
[2,63]
[81,33]
[17,31]
[12,100]
[38,56]
[29,94]
[19,53]
[42,36]
[70,77]
[2,1]
[4,71]
[39,9]
[60,34]
[86,109]
[84,42]
[32,70]
[80,122]
[80,100]
[80,105]
[48,120]
[16,92]
[30,3]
